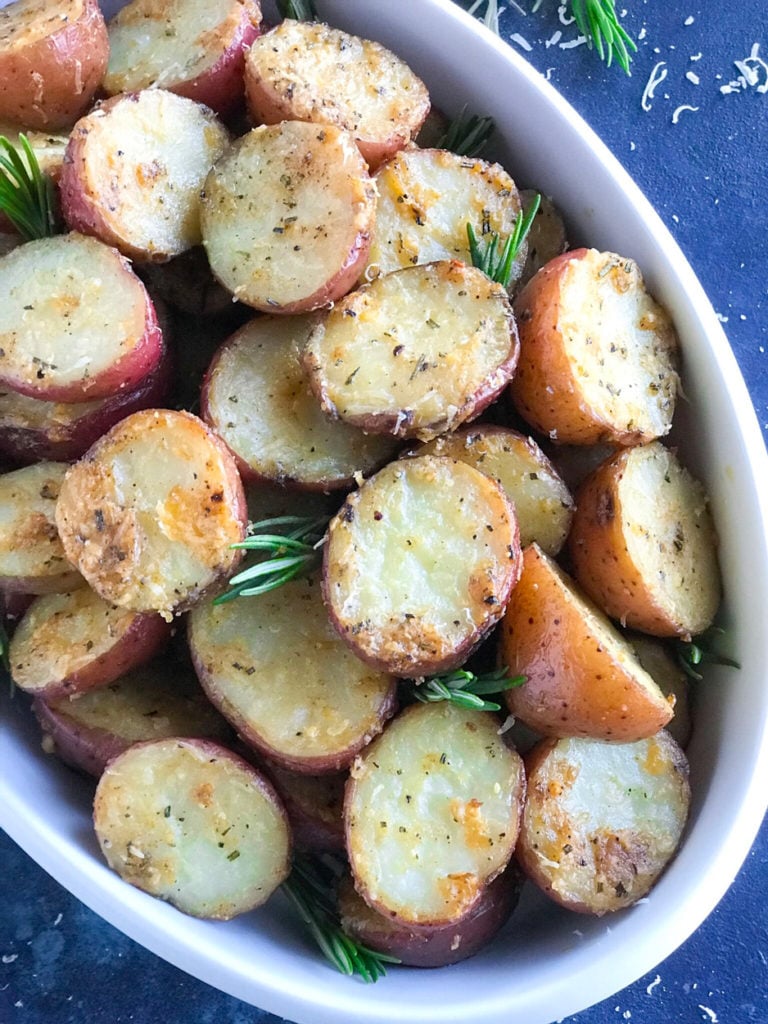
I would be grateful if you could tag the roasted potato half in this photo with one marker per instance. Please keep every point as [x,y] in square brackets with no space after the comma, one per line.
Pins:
[644,545]
[602,820]
[546,237]
[658,661]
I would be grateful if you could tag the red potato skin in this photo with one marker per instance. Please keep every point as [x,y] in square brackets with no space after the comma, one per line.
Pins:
[221,86]
[37,586]
[13,606]
[50,83]
[68,442]
[85,750]
[316,829]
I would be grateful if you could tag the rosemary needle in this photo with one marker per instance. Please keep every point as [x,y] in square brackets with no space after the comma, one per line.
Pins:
[298,10]
[498,263]
[598,21]
[465,689]
[26,194]
[700,651]
[466,135]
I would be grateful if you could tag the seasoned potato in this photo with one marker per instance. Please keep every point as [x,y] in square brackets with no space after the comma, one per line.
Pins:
[195,48]
[602,820]
[150,511]
[432,812]
[69,643]
[189,822]
[187,284]
[314,804]
[542,502]
[419,565]
[304,71]
[582,676]
[415,353]
[133,172]
[546,236]
[256,397]
[53,54]
[658,661]
[287,215]
[277,671]
[598,357]
[644,545]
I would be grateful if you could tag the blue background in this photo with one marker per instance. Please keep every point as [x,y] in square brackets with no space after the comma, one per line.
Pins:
[706,175]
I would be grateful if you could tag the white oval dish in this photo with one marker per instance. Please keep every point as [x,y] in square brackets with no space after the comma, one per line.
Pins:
[547,963]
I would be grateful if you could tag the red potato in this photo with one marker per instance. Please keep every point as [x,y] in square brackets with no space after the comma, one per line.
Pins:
[187,284]
[430,947]
[306,71]
[153,702]
[188,821]
[415,353]
[419,565]
[32,557]
[432,812]
[314,804]
[49,152]
[602,820]
[644,545]
[546,236]
[75,323]
[659,662]
[32,429]
[133,171]
[582,677]
[69,643]
[150,512]
[195,48]
[274,668]
[279,432]
[287,215]
[598,357]
[53,54]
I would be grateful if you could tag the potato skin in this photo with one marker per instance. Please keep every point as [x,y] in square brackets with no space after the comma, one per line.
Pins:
[50,82]
[582,678]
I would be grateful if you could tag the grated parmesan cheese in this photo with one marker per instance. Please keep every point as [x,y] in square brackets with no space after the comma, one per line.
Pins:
[679,110]
[554,38]
[692,77]
[656,77]
[751,70]
[521,41]
[573,43]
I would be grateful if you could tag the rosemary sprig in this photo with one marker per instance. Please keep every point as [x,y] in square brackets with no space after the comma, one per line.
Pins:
[291,553]
[598,21]
[465,689]
[26,194]
[467,135]
[298,10]
[498,264]
[700,651]
[311,896]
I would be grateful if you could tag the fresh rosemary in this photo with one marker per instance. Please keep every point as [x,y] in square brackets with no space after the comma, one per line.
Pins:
[465,689]
[26,194]
[598,21]
[294,552]
[298,10]
[467,135]
[498,263]
[312,897]
[700,651]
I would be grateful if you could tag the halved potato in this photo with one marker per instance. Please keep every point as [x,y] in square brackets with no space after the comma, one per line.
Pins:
[426,198]
[306,71]
[602,820]
[582,676]
[276,670]
[256,397]
[598,357]
[195,48]
[32,556]
[546,236]
[287,215]
[53,54]
[644,545]
[432,812]
[542,502]
[419,565]
[659,662]
[154,702]
[150,511]
[75,323]
[69,643]
[416,352]
[188,821]
[314,804]
[187,284]
[48,147]
[133,172]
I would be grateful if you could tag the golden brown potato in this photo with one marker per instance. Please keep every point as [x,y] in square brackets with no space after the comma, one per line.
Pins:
[597,355]
[583,678]
[546,238]
[658,661]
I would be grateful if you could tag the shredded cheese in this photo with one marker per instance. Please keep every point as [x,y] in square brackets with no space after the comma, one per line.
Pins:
[656,77]
[679,110]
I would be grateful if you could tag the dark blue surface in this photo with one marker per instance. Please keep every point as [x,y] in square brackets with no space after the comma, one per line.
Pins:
[706,175]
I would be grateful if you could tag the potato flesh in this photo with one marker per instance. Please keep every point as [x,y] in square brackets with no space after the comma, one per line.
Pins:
[603,819]
[284,210]
[157,46]
[31,552]
[415,352]
[276,669]
[432,813]
[72,308]
[542,502]
[426,199]
[419,564]
[48,148]
[27,22]
[189,822]
[546,237]
[280,432]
